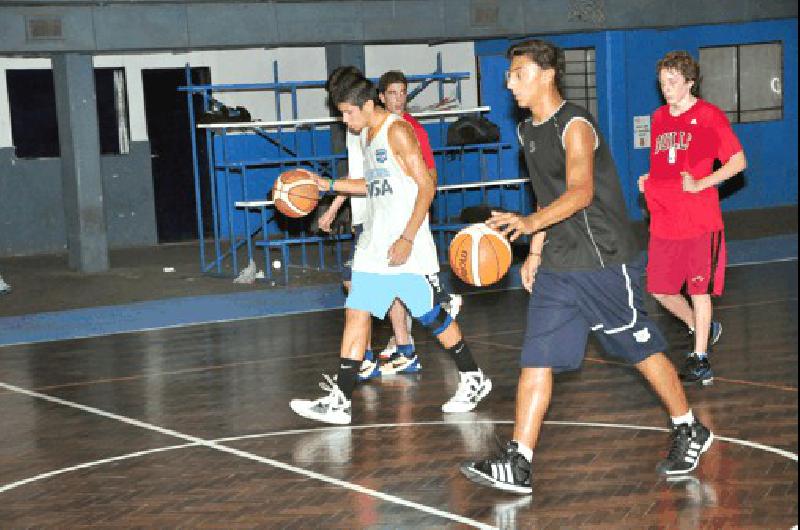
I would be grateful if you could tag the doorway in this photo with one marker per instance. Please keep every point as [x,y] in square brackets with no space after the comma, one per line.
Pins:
[167,115]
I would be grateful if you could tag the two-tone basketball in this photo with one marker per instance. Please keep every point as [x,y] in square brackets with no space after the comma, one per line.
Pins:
[479,255]
[295,193]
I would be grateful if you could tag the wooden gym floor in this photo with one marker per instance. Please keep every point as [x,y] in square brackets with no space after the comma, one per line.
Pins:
[191,428]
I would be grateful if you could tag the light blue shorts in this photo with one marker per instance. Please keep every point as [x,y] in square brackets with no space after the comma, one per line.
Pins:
[374,293]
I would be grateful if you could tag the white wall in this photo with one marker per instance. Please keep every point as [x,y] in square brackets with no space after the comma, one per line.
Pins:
[229,67]
[255,66]
[414,59]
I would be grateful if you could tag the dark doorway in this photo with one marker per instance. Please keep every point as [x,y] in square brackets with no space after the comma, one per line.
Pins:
[167,116]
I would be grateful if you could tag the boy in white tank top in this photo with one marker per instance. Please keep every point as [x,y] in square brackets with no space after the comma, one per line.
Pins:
[394,254]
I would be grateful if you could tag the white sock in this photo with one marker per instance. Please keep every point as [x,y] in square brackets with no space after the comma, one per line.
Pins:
[687,418]
[525,451]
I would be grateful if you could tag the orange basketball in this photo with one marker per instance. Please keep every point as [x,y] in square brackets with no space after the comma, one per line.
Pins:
[295,193]
[479,255]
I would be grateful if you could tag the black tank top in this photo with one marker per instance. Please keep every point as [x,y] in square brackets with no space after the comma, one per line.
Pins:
[597,236]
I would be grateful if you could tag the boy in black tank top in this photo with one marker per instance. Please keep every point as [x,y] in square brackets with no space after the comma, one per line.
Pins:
[581,272]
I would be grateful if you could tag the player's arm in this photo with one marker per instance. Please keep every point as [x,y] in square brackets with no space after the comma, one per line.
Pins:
[579,142]
[735,165]
[406,149]
[531,264]
[345,186]
[729,149]
[325,221]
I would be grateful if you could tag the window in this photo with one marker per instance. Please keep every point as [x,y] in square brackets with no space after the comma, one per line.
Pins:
[34,123]
[579,84]
[745,80]
[32,100]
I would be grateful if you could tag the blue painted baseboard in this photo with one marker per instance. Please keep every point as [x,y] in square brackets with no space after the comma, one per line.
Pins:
[185,311]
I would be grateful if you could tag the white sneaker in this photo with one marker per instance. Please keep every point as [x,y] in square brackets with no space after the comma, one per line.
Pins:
[472,388]
[333,408]
[4,287]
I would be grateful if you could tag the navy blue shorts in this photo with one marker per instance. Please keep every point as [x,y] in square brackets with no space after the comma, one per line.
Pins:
[347,270]
[565,306]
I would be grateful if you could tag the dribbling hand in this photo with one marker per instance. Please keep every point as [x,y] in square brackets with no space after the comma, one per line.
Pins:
[511,225]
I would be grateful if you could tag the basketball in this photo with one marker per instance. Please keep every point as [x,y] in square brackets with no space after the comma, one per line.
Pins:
[295,193]
[479,255]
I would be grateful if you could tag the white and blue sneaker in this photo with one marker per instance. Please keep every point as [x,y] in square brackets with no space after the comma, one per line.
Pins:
[472,387]
[401,364]
[333,408]
[369,369]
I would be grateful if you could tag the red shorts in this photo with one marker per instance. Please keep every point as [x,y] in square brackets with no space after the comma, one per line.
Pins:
[698,262]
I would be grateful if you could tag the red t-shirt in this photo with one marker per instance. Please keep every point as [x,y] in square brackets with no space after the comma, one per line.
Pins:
[422,138]
[689,142]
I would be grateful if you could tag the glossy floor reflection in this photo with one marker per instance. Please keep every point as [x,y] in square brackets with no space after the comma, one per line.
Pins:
[203,437]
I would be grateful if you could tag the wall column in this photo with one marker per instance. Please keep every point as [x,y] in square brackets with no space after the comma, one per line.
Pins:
[82,181]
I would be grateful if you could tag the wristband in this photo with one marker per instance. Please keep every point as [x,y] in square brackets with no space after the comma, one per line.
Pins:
[535,254]
[404,238]
[330,189]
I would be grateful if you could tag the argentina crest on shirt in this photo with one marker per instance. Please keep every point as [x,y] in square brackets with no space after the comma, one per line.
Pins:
[380,156]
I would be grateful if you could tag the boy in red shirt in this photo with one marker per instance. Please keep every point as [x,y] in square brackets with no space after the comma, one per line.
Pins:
[687,242]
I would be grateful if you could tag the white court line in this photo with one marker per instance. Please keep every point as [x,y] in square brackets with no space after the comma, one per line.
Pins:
[735,441]
[748,263]
[250,456]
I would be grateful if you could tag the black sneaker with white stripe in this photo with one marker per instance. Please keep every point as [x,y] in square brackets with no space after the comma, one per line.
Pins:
[510,471]
[688,443]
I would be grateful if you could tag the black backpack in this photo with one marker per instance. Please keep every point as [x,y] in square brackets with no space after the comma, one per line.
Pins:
[472,130]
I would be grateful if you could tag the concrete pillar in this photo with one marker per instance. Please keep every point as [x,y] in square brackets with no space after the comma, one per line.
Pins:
[82,181]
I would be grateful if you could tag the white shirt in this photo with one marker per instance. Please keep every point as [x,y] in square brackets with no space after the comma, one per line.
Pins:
[391,195]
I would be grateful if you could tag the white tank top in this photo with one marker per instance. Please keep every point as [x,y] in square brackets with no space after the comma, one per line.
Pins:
[390,200]
[355,169]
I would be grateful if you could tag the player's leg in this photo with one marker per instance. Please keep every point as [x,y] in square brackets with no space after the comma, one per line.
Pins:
[707,261]
[689,437]
[370,366]
[370,295]
[401,343]
[418,296]
[613,301]
[666,275]
[555,340]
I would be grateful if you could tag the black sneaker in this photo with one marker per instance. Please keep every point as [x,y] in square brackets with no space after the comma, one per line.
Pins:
[510,471]
[688,443]
[697,370]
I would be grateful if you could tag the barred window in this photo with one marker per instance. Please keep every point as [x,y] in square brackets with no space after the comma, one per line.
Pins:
[745,80]
[34,124]
[579,85]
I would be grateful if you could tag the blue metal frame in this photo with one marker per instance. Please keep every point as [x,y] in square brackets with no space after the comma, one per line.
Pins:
[222,167]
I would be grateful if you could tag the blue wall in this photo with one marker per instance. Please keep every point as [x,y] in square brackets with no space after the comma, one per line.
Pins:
[626,87]
[452,167]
